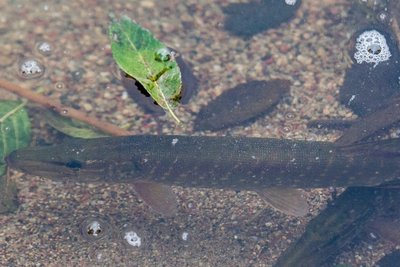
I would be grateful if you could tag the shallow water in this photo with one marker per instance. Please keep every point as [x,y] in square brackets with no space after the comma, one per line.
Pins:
[313,50]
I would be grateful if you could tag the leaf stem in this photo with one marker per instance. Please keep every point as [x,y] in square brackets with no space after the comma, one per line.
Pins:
[173,114]
[62,109]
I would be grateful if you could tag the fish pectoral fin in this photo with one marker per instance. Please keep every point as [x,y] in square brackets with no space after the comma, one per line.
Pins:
[286,200]
[159,197]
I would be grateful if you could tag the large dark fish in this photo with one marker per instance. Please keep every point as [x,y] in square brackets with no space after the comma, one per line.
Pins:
[356,211]
[238,163]
[332,229]
[367,88]
[248,19]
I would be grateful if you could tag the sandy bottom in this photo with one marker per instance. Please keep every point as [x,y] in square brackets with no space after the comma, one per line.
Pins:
[212,227]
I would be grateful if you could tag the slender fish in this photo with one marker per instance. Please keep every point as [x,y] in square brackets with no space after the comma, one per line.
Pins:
[238,163]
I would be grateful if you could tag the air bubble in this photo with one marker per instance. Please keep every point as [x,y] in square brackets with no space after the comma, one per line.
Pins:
[60,85]
[164,54]
[383,17]
[30,68]
[185,236]
[289,115]
[286,129]
[44,48]
[375,49]
[94,229]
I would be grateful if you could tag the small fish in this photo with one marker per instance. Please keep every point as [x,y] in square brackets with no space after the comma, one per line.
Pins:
[238,163]
[241,104]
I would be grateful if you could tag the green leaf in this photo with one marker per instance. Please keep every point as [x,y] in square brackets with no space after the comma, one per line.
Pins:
[71,127]
[139,54]
[15,129]
[15,132]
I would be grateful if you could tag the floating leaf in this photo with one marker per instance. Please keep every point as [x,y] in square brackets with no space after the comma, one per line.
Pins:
[15,129]
[71,127]
[139,54]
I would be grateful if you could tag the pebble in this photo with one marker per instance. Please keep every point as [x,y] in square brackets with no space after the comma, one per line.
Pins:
[6,59]
[87,106]
[108,95]
[284,48]
[304,60]
[147,4]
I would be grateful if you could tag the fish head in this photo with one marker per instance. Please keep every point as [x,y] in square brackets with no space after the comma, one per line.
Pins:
[73,162]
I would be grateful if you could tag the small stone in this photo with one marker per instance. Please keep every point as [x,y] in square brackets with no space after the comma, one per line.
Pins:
[304,60]
[87,106]
[6,60]
[147,4]
[284,48]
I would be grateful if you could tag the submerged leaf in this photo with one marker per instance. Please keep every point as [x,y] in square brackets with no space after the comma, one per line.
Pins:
[15,129]
[71,127]
[139,54]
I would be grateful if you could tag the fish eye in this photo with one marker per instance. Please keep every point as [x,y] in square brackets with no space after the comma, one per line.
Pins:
[73,164]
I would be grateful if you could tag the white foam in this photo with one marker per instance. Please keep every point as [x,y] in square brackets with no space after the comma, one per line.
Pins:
[133,239]
[371,47]
[290,2]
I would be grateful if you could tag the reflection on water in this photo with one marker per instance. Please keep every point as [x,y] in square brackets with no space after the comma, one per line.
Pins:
[61,48]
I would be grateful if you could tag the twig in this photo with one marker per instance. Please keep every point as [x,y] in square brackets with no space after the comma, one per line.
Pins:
[61,109]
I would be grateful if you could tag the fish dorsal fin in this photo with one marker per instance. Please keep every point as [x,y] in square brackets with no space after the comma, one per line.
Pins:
[286,200]
[159,197]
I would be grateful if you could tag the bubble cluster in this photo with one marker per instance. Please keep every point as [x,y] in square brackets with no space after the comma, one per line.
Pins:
[133,239]
[30,68]
[371,47]
[130,236]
